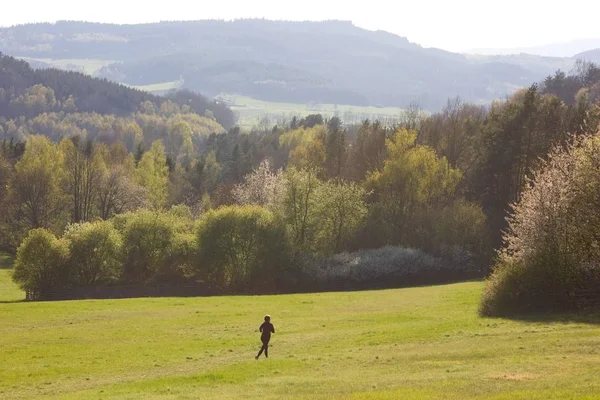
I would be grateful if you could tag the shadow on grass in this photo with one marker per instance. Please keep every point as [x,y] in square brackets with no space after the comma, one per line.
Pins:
[200,289]
[12,301]
[589,316]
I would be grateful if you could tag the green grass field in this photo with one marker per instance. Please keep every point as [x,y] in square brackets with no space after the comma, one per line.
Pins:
[418,343]
[252,111]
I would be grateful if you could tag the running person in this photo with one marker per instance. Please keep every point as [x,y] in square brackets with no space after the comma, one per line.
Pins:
[266,329]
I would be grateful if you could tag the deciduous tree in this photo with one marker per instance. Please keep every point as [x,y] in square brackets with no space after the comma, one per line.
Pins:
[35,197]
[152,173]
[84,169]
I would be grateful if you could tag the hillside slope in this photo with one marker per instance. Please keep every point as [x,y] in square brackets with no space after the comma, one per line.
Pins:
[23,93]
[301,62]
[590,55]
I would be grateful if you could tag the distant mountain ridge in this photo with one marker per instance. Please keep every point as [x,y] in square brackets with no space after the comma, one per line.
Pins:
[300,62]
[590,55]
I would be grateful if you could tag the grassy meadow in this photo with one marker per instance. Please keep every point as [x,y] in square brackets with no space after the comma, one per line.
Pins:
[159,88]
[417,343]
[252,111]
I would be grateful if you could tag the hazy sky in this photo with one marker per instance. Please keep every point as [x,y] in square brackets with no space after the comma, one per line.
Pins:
[454,25]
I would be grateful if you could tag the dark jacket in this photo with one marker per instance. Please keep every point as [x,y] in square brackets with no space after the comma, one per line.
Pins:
[266,328]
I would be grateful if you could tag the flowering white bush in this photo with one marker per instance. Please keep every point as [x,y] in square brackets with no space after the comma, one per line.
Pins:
[261,187]
[381,265]
[558,212]
[552,250]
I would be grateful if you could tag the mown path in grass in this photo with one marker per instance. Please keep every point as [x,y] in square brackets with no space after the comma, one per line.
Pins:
[416,343]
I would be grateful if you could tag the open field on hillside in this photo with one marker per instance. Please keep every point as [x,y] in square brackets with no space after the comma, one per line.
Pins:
[160,88]
[87,66]
[252,111]
[418,343]
[91,67]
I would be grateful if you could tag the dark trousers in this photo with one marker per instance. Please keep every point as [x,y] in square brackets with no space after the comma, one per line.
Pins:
[265,346]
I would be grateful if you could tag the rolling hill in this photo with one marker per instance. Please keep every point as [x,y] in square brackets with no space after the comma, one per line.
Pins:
[590,55]
[296,62]
[571,48]
[92,95]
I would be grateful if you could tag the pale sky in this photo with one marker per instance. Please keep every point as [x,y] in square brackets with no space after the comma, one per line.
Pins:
[454,25]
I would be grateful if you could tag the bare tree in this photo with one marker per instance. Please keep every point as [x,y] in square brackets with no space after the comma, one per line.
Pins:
[262,187]
[118,193]
[83,167]
[410,117]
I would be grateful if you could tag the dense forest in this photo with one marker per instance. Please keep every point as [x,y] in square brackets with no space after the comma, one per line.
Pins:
[301,62]
[27,92]
[159,192]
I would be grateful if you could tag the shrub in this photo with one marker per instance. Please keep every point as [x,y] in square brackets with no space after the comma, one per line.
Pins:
[180,262]
[546,282]
[41,266]
[551,251]
[387,266]
[95,252]
[242,247]
[503,289]
[150,243]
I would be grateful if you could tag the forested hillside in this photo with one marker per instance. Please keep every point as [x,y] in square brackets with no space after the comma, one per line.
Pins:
[27,92]
[301,62]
